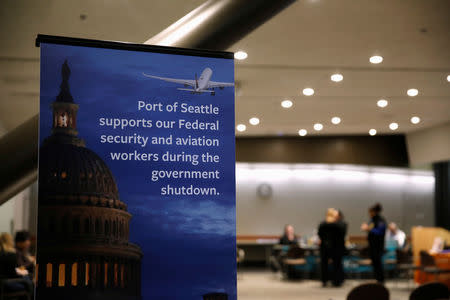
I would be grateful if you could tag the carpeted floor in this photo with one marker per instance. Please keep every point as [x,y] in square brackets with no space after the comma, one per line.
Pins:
[264,285]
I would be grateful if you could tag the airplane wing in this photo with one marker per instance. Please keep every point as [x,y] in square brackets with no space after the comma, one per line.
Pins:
[180,81]
[215,84]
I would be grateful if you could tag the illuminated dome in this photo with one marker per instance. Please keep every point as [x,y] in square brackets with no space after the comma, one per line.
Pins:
[70,174]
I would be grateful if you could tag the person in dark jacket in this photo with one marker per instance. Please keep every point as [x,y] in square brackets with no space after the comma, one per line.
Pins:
[22,242]
[376,229]
[289,237]
[332,247]
[10,269]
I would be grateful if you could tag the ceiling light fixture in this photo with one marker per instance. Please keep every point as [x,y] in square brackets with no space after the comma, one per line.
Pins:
[415,120]
[372,132]
[337,77]
[308,91]
[286,103]
[240,55]
[302,132]
[254,121]
[241,127]
[393,126]
[376,59]
[318,127]
[336,120]
[382,103]
[412,92]
[448,78]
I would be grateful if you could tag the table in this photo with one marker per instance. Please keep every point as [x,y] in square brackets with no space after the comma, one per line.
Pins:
[443,262]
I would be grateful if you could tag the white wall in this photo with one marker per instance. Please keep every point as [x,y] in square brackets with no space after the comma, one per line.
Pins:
[7,216]
[302,193]
[19,212]
[429,145]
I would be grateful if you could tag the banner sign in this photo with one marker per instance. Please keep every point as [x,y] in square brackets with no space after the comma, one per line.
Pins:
[136,172]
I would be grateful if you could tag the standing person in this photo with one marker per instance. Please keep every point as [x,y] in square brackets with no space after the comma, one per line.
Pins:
[341,221]
[332,245]
[289,237]
[376,229]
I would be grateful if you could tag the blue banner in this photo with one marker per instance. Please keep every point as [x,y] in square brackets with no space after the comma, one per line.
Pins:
[136,175]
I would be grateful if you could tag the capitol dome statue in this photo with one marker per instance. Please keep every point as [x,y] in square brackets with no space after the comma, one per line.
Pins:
[83,227]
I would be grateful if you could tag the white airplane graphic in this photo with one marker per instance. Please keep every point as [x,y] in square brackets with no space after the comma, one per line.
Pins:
[199,85]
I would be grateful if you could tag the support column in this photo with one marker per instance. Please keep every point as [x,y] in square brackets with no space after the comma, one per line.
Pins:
[442,194]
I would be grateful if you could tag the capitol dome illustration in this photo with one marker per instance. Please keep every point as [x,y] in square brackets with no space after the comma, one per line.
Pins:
[83,227]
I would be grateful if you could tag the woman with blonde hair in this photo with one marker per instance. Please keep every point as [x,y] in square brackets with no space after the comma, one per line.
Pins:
[332,239]
[6,243]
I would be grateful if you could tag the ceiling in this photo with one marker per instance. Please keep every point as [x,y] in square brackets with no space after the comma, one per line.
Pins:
[301,47]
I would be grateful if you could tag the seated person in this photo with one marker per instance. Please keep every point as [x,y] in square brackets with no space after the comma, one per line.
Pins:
[438,245]
[289,237]
[394,234]
[23,243]
[9,268]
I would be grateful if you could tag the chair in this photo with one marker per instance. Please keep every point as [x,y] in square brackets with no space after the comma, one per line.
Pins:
[428,265]
[364,263]
[430,291]
[239,259]
[4,295]
[294,257]
[275,259]
[369,291]
[405,264]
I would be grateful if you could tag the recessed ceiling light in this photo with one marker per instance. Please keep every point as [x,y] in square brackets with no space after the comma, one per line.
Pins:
[415,120]
[412,92]
[286,103]
[393,126]
[241,127]
[372,132]
[302,132]
[308,91]
[382,103]
[336,120]
[376,59]
[240,55]
[448,78]
[318,126]
[254,121]
[337,77]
